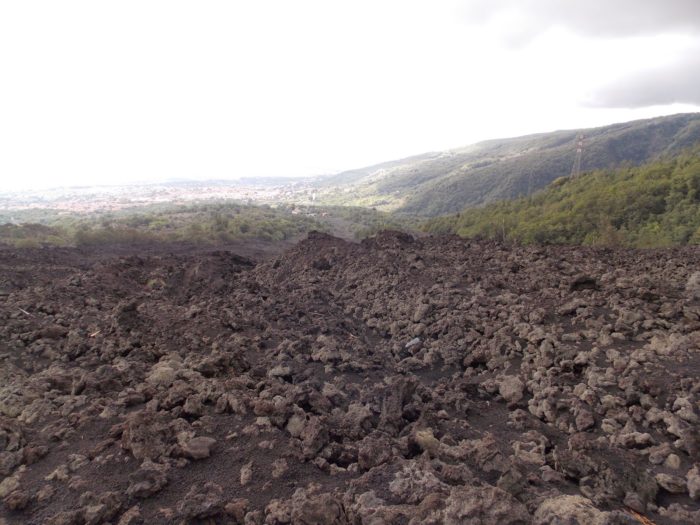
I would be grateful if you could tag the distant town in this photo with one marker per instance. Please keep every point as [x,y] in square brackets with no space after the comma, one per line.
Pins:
[91,199]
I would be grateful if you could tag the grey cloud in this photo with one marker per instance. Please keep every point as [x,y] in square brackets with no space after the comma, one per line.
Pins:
[605,18]
[673,83]
[519,21]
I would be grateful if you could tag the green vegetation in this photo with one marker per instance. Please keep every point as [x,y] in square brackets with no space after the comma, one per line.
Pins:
[436,184]
[657,204]
[209,223]
[202,223]
[214,222]
[32,235]
[354,222]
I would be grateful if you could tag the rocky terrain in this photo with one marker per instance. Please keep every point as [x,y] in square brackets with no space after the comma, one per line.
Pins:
[399,380]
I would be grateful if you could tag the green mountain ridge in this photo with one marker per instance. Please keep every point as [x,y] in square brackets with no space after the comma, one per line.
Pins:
[440,183]
[652,205]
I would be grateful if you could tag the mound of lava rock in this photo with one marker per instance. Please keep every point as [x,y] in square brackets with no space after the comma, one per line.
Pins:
[398,380]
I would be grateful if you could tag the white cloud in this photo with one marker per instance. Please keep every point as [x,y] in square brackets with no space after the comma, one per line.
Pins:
[134,90]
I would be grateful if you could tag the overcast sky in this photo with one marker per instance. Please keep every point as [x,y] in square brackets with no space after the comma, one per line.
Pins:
[106,92]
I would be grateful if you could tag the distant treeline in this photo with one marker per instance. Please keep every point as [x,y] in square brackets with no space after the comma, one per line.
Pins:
[202,223]
[653,205]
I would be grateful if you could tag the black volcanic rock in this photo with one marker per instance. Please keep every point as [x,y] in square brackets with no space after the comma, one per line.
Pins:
[408,380]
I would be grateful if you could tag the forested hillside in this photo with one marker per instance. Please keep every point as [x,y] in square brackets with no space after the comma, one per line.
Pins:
[445,182]
[657,204]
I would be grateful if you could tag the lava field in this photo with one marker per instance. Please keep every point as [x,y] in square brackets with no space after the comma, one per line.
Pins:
[399,380]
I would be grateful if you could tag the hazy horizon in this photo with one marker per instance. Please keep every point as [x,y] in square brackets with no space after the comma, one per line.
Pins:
[104,94]
[204,179]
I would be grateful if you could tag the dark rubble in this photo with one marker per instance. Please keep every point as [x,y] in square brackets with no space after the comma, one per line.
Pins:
[398,380]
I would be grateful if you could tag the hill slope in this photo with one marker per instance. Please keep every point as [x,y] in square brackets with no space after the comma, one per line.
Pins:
[446,182]
[654,204]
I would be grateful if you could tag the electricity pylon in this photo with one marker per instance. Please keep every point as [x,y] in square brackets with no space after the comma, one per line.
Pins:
[576,168]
